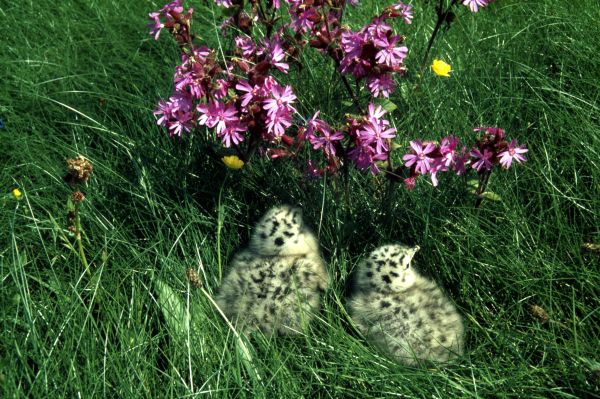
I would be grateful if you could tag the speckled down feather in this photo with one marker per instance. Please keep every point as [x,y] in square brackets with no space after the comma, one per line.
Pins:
[405,315]
[275,284]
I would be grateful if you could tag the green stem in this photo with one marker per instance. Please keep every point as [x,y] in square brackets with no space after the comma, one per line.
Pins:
[441,17]
[484,179]
[350,91]
[219,227]
[80,241]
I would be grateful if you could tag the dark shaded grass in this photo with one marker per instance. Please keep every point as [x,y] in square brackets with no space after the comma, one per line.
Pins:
[84,78]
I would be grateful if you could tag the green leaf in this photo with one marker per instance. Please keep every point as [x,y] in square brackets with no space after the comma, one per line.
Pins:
[405,92]
[489,195]
[346,103]
[387,105]
[472,183]
[173,308]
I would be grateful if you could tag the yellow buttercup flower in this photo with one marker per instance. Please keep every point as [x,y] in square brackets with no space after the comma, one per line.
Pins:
[16,193]
[440,68]
[233,162]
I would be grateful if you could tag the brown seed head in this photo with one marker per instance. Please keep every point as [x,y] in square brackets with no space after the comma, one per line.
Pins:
[193,277]
[77,197]
[78,170]
[539,313]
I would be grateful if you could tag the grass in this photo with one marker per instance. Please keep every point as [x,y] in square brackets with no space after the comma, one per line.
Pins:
[83,77]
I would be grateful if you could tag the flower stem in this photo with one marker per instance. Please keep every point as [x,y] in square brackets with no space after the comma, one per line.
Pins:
[351,92]
[82,256]
[337,66]
[484,179]
[441,17]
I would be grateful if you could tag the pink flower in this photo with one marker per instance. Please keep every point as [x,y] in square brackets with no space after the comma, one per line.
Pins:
[405,11]
[172,7]
[513,151]
[419,157]
[221,88]
[381,84]
[388,54]
[245,44]
[181,121]
[275,54]
[278,121]
[374,115]
[282,99]
[251,92]
[373,133]
[217,114]
[475,4]
[352,43]
[188,80]
[378,30]
[364,157]
[483,159]
[166,109]
[448,151]
[410,182]
[156,26]
[326,141]
[224,3]
[231,134]
[302,18]
[315,125]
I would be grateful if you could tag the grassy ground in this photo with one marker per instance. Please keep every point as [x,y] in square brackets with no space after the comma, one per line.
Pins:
[83,77]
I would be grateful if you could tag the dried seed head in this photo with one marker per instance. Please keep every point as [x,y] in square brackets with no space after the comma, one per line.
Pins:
[78,170]
[77,197]
[539,313]
[193,277]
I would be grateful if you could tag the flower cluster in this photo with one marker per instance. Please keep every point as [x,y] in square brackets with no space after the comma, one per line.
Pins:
[374,53]
[431,158]
[237,95]
[241,99]
[174,20]
[368,140]
[238,99]
[490,149]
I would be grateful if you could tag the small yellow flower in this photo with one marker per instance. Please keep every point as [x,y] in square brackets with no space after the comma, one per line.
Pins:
[440,68]
[16,193]
[233,162]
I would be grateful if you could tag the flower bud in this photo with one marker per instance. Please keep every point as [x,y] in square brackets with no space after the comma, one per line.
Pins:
[77,197]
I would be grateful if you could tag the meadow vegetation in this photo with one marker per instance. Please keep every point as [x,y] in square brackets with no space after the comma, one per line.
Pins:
[84,78]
